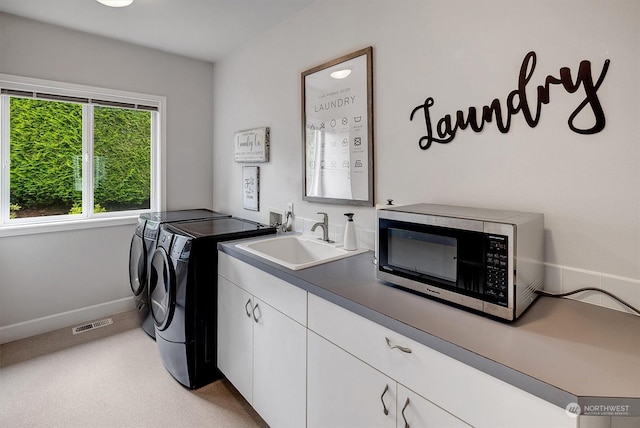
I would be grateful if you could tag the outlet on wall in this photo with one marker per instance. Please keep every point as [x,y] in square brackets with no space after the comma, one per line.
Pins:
[275,217]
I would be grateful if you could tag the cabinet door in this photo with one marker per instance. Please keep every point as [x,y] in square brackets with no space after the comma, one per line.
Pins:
[342,391]
[279,367]
[415,411]
[235,336]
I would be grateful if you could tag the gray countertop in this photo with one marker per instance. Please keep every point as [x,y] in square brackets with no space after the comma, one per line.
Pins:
[560,350]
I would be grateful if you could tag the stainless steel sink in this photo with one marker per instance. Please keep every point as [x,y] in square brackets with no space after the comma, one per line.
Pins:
[297,252]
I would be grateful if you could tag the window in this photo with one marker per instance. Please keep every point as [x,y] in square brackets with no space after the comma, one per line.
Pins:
[72,153]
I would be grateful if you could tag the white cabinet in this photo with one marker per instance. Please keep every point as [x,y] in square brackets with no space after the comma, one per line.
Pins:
[342,391]
[474,397]
[261,349]
[300,360]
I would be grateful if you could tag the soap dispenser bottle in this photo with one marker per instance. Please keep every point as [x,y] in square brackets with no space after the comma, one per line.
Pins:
[350,242]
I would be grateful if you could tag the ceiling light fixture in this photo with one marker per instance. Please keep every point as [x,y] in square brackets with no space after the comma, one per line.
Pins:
[116,3]
[340,74]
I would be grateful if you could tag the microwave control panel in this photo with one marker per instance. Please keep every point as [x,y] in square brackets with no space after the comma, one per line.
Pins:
[496,263]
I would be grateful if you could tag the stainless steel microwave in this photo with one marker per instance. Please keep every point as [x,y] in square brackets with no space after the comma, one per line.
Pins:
[486,260]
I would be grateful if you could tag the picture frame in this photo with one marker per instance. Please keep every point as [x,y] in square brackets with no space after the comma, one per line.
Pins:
[337,130]
[252,145]
[251,188]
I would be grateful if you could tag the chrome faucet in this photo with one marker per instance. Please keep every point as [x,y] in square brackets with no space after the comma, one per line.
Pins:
[324,224]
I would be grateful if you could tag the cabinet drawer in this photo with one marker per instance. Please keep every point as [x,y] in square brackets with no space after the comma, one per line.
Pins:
[285,297]
[473,396]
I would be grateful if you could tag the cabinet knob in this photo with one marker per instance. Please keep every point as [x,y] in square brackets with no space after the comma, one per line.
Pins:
[384,406]
[398,347]
[406,403]
[247,308]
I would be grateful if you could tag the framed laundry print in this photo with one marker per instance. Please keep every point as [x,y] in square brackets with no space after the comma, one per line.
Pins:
[337,130]
[251,188]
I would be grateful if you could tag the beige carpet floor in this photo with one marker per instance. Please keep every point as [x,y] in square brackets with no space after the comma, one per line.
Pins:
[109,377]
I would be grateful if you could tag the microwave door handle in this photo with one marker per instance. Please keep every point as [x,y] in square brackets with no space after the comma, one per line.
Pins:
[398,347]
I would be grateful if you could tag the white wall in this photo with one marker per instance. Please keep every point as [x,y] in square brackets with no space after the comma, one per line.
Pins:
[462,53]
[51,279]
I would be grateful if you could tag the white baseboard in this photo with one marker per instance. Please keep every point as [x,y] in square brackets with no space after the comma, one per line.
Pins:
[29,328]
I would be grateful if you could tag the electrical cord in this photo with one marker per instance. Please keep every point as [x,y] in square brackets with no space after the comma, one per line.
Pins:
[569,293]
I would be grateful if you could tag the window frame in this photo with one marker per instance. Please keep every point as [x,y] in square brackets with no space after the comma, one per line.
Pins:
[12,227]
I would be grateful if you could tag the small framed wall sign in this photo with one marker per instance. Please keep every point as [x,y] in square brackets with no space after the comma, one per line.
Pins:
[252,145]
[251,188]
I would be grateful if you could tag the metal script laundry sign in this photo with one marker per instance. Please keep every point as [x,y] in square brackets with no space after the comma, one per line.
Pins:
[518,102]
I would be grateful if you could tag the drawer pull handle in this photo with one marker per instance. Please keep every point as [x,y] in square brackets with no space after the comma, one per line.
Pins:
[247,308]
[256,318]
[401,348]
[406,403]
[384,406]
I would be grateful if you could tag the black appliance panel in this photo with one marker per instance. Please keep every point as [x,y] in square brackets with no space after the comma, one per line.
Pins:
[138,260]
[222,228]
[451,258]
[181,215]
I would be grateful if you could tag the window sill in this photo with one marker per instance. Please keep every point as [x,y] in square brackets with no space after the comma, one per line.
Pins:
[62,226]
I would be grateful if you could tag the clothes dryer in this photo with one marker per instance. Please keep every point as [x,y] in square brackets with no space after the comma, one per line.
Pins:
[141,249]
[183,294]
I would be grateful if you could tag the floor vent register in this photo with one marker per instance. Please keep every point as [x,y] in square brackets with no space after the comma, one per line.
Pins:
[92,326]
